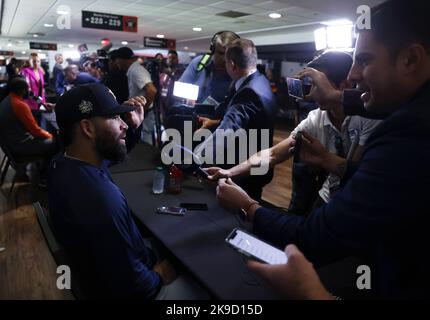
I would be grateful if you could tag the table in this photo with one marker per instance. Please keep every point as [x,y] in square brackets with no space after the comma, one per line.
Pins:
[196,239]
[142,157]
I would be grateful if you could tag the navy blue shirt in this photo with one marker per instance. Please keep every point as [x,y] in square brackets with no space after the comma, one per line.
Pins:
[92,220]
[382,214]
[210,83]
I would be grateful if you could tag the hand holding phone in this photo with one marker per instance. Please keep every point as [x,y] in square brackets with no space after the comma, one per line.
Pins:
[252,247]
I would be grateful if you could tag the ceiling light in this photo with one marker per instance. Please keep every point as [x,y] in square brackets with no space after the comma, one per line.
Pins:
[197,29]
[39,50]
[62,12]
[1,57]
[48,25]
[9,44]
[275,15]
[23,52]
[124,43]
[71,45]
[35,35]
[161,36]
[186,48]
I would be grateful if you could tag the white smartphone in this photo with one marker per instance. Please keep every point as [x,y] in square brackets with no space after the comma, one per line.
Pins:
[252,247]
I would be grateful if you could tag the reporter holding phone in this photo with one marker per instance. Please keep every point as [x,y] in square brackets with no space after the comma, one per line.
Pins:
[381,213]
[340,134]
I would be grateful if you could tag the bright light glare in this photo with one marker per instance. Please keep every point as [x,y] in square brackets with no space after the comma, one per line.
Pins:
[186,90]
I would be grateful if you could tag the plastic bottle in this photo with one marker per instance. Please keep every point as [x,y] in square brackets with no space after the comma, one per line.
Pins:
[175,180]
[158,182]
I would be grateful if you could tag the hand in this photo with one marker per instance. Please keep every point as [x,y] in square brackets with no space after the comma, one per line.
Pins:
[206,123]
[312,151]
[216,173]
[166,271]
[231,196]
[322,91]
[134,118]
[297,279]
[49,106]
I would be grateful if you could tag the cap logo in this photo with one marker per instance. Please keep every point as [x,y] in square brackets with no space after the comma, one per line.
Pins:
[85,106]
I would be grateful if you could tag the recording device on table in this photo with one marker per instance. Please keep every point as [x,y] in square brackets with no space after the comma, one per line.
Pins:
[194,206]
[176,211]
[299,89]
[252,247]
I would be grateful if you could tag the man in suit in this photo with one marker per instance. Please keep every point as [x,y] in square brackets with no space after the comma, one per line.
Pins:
[251,106]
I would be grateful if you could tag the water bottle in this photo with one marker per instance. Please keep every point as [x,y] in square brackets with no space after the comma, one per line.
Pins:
[158,182]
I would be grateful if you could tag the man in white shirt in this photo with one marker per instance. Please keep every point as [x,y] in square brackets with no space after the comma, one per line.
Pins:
[139,84]
[340,134]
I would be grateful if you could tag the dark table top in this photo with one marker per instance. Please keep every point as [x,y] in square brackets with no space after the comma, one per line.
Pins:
[141,157]
[196,239]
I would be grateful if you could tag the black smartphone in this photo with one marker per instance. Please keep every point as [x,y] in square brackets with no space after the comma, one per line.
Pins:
[194,206]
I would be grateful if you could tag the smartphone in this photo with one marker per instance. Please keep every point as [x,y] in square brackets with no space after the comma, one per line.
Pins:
[252,247]
[195,206]
[295,88]
[176,211]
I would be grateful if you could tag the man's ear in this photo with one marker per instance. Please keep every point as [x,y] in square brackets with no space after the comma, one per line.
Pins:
[87,128]
[412,58]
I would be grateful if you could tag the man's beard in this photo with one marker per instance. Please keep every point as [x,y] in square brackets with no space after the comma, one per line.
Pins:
[110,147]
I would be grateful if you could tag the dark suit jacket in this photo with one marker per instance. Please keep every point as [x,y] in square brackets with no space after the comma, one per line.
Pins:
[253,106]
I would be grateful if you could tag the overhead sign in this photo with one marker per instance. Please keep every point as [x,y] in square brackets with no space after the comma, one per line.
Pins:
[6,53]
[159,43]
[43,46]
[106,21]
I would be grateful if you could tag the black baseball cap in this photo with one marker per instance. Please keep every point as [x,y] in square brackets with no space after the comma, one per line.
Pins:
[335,64]
[124,53]
[87,101]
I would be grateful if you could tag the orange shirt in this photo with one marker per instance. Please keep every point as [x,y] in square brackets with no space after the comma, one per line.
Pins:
[23,113]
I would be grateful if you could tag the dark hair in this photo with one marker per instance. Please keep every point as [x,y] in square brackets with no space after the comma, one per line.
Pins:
[335,65]
[172,52]
[399,23]
[17,85]
[242,52]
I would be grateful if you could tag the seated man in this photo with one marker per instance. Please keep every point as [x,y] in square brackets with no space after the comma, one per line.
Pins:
[340,134]
[89,214]
[250,107]
[18,128]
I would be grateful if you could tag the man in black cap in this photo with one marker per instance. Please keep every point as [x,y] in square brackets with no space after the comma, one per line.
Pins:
[139,84]
[89,214]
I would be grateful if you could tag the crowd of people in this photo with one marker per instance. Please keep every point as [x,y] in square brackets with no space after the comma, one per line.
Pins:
[368,136]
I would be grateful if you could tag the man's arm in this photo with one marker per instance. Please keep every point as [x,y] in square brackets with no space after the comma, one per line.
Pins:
[23,113]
